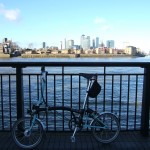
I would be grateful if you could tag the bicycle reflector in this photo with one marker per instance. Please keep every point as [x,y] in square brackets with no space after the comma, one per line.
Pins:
[94,89]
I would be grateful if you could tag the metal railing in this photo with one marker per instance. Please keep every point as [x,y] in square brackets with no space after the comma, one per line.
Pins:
[125,90]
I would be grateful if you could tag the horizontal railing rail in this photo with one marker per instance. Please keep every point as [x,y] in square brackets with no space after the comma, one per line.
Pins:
[125,91]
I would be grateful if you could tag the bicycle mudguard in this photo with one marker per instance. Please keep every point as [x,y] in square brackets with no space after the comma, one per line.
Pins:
[44,127]
[97,115]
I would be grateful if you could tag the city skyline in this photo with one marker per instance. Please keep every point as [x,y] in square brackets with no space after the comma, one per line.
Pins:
[52,21]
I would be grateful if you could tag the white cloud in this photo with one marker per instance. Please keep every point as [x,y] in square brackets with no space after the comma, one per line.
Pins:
[10,14]
[99,20]
[101,24]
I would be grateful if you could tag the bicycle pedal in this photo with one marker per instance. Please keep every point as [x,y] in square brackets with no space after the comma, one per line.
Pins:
[73,139]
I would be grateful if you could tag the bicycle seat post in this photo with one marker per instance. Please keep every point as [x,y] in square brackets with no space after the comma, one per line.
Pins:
[86,96]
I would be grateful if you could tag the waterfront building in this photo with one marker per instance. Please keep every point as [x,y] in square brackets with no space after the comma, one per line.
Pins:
[53,48]
[1,48]
[88,51]
[85,42]
[54,51]
[75,47]
[97,42]
[130,50]
[7,48]
[114,51]
[64,51]
[110,44]
[100,50]
[4,40]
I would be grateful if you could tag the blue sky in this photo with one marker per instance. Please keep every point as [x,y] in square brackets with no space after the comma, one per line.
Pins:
[35,21]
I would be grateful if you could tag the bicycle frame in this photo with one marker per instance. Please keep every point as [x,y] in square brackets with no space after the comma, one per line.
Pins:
[77,119]
[82,114]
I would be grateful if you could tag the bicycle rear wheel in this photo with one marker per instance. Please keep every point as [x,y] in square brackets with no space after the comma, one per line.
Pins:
[25,137]
[106,127]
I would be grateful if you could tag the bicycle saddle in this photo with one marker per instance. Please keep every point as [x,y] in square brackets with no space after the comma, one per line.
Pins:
[87,76]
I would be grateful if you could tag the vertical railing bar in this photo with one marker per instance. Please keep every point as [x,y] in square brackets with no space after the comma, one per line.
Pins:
[112,85]
[71,91]
[38,87]
[10,111]
[96,98]
[46,95]
[55,102]
[19,92]
[120,96]
[104,88]
[145,113]
[2,107]
[79,92]
[63,94]
[71,94]
[30,90]
[136,90]
[128,101]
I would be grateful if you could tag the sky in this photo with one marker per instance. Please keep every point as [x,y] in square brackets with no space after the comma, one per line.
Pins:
[31,22]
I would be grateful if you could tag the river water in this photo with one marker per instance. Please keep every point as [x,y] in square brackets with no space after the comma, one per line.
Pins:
[124,92]
[105,59]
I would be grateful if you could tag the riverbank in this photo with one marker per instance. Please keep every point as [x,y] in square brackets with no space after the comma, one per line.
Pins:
[72,55]
[59,55]
[4,55]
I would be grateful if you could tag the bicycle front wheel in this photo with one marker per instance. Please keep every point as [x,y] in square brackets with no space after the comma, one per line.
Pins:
[106,127]
[24,136]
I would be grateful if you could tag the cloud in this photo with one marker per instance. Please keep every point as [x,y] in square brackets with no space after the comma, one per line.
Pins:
[10,14]
[102,24]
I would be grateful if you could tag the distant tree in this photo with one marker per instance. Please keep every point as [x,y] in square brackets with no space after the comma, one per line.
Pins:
[69,51]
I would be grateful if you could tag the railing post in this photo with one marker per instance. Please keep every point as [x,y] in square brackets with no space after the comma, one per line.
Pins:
[145,103]
[19,93]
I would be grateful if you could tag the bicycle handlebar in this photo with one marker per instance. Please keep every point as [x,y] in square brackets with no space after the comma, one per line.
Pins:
[89,76]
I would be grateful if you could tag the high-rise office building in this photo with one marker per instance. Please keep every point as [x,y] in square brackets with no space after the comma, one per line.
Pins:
[81,40]
[44,45]
[97,42]
[69,44]
[85,42]
[110,43]
[65,43]
[93,43]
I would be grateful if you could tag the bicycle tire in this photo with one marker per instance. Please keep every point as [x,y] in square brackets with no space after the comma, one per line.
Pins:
[110,130]
[23,137]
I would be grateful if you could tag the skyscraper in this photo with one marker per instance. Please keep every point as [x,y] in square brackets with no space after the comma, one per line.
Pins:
[69,44]
[93,43]
[44,45]
[97,42]
[81,40]
[85,42]
[110,43]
